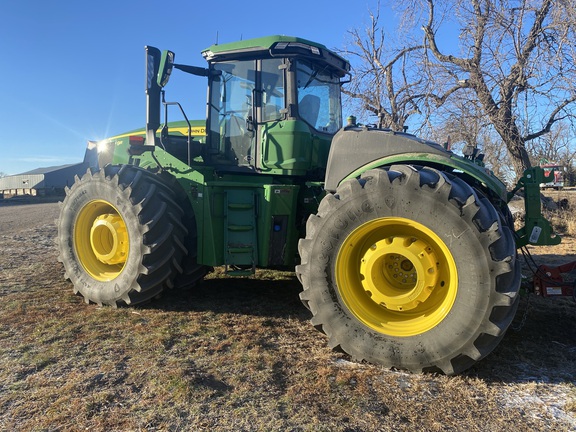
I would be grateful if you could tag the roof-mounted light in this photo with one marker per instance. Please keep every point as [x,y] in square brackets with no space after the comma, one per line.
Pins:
[208,54]
[296,47]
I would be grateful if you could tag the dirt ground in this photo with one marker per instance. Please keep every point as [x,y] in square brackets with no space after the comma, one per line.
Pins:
[17,218]
[240,354]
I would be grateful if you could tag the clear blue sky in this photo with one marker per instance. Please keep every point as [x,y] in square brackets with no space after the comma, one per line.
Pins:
[72,71]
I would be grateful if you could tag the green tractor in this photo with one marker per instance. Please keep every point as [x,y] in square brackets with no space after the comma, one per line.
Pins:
[406,251]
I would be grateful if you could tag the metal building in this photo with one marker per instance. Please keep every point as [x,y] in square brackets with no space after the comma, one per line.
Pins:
[49,180]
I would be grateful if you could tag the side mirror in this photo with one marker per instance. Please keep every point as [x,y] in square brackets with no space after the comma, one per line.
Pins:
[165,68]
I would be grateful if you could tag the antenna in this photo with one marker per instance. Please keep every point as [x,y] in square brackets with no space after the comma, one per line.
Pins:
[216,37]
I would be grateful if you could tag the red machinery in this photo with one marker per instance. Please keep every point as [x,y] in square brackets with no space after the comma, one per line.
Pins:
[548,281]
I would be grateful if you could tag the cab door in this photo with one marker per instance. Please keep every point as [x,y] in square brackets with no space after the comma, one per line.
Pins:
[231,113]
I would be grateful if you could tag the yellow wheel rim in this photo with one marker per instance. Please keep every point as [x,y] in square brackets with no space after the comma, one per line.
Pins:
[396,276]
[101,240]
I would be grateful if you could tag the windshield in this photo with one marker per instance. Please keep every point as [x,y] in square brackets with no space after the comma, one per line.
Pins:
[319,102]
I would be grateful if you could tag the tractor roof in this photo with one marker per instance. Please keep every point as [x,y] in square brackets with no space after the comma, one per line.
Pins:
[275,46]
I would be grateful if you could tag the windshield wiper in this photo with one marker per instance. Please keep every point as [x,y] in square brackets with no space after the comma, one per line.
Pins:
[312,76]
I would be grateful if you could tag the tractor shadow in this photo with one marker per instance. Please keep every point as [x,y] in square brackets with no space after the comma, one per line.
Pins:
[539,346]
[273,298]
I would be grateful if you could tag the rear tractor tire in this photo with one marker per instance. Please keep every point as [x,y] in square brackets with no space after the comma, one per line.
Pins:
[410,268]
[120,236]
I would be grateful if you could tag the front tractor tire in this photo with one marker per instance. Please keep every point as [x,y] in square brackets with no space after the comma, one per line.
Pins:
[120,235]
[410,268]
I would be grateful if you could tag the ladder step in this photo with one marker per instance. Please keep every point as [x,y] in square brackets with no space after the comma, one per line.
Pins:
[240,206]
[240,228]
[240,242]
[240,250]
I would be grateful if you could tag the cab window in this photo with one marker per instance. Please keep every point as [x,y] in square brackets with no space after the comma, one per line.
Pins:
[318,97]
[272,86]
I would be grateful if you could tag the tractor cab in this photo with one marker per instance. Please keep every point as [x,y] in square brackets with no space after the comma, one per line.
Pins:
[274,104]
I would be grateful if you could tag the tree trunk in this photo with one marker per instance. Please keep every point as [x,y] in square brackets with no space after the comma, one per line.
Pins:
[519,157]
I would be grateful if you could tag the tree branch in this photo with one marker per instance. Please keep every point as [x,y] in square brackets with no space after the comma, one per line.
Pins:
[551,120]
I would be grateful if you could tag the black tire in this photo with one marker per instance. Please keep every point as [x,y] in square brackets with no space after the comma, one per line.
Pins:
[120,235]
[193,273]
[410,268]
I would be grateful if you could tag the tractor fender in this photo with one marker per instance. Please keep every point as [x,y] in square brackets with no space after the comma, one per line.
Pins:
[355,150]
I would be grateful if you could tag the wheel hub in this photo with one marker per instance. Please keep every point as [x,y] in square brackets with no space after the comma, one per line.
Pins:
[396,276]
[109,239]
[399,273]
[101,240]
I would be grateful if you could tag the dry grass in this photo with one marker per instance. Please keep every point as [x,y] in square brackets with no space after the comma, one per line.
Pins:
[240,354]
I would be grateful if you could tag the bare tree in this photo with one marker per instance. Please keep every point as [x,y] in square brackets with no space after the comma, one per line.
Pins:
[384,81]
[461,120]
[515,57]
[460,123]
[555,147]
